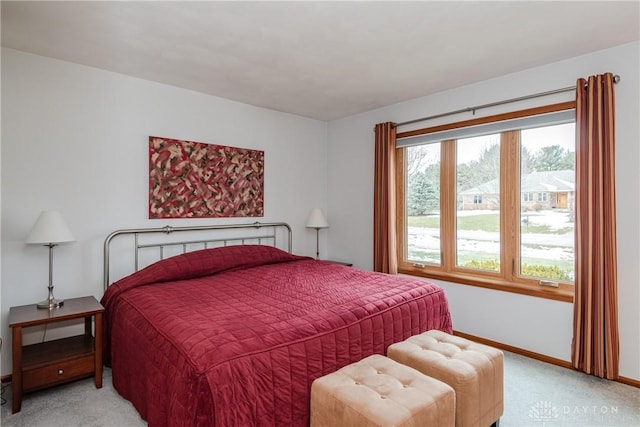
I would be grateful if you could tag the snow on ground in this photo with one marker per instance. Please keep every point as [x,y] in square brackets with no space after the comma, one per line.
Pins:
[556,220]
[534,245]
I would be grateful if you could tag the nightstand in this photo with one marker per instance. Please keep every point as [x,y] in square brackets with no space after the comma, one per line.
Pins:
[50,363]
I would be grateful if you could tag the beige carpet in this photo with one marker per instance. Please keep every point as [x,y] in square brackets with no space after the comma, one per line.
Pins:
[536,395]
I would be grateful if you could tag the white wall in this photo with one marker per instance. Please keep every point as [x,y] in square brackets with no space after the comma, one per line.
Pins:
[535,324]
[75,139]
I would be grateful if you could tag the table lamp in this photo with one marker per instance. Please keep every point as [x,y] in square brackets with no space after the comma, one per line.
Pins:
[50,230]
[317,220]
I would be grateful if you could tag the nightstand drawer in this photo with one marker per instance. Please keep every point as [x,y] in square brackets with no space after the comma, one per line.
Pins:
[58,373]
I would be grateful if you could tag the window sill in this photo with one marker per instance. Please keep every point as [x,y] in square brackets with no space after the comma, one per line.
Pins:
[562,293]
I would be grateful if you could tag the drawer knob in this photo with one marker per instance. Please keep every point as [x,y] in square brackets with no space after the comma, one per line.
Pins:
[60,372]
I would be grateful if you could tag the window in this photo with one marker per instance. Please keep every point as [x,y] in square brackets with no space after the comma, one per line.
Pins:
[423,202]
[547,227]
[477,175]
[492,204]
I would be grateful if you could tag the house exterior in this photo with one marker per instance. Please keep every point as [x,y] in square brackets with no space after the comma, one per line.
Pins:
[539,190]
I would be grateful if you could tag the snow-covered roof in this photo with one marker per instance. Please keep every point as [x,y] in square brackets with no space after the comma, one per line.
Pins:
[536,182]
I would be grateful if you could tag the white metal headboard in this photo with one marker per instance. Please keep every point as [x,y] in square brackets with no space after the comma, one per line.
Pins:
[264,233]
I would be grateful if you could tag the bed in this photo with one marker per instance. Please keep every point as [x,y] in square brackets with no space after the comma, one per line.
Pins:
[235,334]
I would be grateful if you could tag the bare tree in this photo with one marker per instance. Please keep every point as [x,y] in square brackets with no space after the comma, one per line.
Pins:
[418,158]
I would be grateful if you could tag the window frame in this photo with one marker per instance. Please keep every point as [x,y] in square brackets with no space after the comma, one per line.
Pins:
[509,279]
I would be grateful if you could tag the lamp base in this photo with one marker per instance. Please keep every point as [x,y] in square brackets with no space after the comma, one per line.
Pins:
[51,303]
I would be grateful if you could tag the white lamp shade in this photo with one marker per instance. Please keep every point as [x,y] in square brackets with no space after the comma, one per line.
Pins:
[50,228]
[317,219]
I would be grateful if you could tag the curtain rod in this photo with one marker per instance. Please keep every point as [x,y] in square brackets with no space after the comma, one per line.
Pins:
[616,79]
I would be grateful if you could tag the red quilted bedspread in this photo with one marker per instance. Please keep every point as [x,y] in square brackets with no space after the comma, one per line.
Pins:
[235,335]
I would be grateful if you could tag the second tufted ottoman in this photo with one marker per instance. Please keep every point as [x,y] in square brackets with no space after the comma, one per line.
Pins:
[377,391]
[475,372]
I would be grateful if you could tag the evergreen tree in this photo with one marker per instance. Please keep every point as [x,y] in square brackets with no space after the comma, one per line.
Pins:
[553,158]
[422,197]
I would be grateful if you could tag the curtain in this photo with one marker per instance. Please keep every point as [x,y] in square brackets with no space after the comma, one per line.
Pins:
[384,200]
[595,348]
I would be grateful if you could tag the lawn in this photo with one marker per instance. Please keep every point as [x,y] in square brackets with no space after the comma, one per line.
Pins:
[547,243]
[484,222]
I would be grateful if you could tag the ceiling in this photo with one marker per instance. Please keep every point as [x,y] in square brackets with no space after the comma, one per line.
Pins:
[324,60]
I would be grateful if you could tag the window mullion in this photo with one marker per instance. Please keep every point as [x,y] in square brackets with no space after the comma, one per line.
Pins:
[510,203]
[448,204]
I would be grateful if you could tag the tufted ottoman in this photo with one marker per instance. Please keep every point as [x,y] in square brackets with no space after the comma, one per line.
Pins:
[377,391]
[475,372]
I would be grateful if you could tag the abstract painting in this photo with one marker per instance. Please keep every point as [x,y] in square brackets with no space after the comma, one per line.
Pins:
[196,180]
